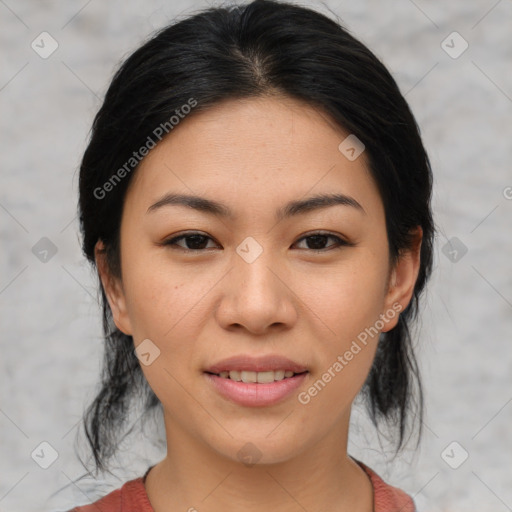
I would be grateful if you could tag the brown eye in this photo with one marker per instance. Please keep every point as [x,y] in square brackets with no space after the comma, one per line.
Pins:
[194,242]
[197,242]
[317,241]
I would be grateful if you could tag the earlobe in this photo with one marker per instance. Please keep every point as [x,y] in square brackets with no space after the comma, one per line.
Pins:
[113,290]
[403,278]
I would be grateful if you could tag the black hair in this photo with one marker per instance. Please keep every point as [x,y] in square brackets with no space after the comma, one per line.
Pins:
[241,51]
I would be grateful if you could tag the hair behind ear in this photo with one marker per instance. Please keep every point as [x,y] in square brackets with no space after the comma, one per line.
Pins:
[388,385]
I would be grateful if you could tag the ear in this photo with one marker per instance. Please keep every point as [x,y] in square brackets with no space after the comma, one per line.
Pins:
[403,279]
[113,290]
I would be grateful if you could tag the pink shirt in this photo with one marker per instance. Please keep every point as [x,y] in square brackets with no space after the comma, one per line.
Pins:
[132,497]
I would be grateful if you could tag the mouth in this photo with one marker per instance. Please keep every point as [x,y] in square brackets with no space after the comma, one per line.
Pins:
[260,381]
[260,377]
[248,368]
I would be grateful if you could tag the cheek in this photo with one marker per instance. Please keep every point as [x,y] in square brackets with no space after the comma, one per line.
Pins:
[349,298]
[348,307]
[170,307]
[344,355]
[165,307]
[330,392]
[161,299]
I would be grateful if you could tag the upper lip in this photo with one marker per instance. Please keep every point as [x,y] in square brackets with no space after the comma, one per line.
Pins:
[249,363]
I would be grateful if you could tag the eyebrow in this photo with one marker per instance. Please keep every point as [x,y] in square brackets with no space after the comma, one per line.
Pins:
[290,209]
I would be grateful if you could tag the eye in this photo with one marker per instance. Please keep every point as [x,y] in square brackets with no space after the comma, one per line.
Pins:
[197,242]
[194,242]
[319,239]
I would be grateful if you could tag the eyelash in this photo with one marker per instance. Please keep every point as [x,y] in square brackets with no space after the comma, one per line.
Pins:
[339,242]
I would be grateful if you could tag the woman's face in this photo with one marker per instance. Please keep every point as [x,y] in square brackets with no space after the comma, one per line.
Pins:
[269,273]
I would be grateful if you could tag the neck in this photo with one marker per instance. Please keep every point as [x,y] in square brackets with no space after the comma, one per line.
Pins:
[322,477]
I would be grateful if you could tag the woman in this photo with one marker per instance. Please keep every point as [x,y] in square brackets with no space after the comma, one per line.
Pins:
[255,197]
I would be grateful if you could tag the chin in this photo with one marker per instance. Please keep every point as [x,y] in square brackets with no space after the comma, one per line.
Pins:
[253,450]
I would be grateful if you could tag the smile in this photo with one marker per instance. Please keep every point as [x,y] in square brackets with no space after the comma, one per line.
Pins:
[263,377]
[256,389]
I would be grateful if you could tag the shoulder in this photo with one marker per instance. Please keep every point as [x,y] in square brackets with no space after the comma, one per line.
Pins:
[386,497]
[131,497]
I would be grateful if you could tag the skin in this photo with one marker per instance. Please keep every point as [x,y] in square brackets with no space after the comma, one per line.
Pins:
[255,155]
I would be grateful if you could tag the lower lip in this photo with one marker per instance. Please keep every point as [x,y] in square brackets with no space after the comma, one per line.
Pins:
[256,395]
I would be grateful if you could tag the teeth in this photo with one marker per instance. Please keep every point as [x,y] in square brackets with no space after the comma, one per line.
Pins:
[259,377]
[235,375]
[249,376]
[265,377]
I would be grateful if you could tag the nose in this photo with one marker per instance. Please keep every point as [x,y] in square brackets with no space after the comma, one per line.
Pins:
[256,297]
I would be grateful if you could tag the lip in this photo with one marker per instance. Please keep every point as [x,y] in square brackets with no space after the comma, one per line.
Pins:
[250,394]
[245,362]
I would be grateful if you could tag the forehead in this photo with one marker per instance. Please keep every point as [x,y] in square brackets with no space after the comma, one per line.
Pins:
[255,149]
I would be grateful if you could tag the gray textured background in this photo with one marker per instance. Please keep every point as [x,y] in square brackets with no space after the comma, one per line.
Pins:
[50,324]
